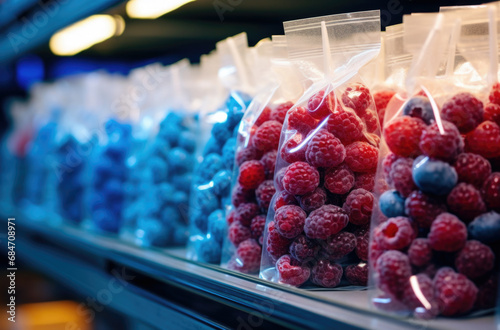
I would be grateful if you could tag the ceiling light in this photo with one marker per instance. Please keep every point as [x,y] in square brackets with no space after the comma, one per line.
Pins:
[152,8]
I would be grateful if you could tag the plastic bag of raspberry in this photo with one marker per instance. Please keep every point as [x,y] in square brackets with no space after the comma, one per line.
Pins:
[317,225]
[256,151]
[436,229]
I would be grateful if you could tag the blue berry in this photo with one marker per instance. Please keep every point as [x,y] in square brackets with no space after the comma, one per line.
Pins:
[183,182]
[180,198]
[199,219]
[217,225]
[171,133]
[180,235]
[228,152]
[160,149]
[206,201]
[392,204]
[113,188]
[117,151]
[187,141]
[172,118]
[164,193]
[209,250]
[222,182]
[486,228]
[212,147]
[434,176]
[419,107]
[211,164]
[159,170]
[221,132]
[171,214]
[152,232]
[105,220]
[180,160]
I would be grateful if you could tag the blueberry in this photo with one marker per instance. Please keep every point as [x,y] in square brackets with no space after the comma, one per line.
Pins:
[180,198]
[228,152]
[217,225]
[209,250]
[159,169]
[392,204]
[172,118]
[171,214]
[199,219]
[106,220]
[434,176]
[420,107]
[187,141]
[179,159]
[160,149]
[486,227]
[222,182]
[164,193]
[206,201]
[114,190]
[152,232]
[117,151]
[170,132]
[212,147]
[183,182]
[221,132]
[180,235]
[211,164]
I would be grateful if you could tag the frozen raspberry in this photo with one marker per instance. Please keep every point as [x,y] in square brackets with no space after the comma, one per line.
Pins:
[245,212]
[277,245]
[303,248]
[248,256]
[494,96]
[395,233]
[265,115]
[279,113]
[230,217]
[420,252]
[447,233]
[251,174]
[326,273]
[325,222]
[339,245]
[320,106]
[419,106]
[238,233]
[419,296]
[454,293]
[267,136]
[269,162]
[357,274]
[358,206]
[371,121]
[285,198]
[299,119]
[374,252]
[339,180]
[463,110]
[362,244]
[345,125]
[381,100]
[313,200]
[401,176]
[393,270]
[465,202]
[289,220]
[257,226]
[365,181]
[491,191]
[487,294]
[291,272]
[300,178]
[492,113]
[387,165]
[357,97]
[361,157]
[294,149]
[402,135]
[242,195]
[325,150]
[475,259]
[484,140]
[248,153]
[278,178]
[472,168]
[264,194]
[444,145]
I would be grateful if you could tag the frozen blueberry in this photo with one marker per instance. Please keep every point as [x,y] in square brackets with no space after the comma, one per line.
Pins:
[206,201]
[105,220]
[180,198]
[209,250]
[159,169]
[217,225]
[211,164]
[212,146]
[228,152]
[171,133]
[173,118]
[221,132]
[160,149]
[222,182]
[419,107]
[183,182]
[164,193]
[171,214]
[114,190]
[180,160]
[152,232]
[187,141]
[486,227]
[392,204]
[199,219]
[434,176]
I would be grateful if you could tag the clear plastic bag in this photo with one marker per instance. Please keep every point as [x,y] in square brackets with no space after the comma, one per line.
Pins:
[318,221]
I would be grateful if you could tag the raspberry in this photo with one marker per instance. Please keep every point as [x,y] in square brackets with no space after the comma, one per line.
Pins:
[434,176]
[441,145]
[245,212]
[289,220]
[392,204]
[492,113]
[357,97]
[465,201]
[454,293]
[401,176]
[246,154]
[326,273]
[264,194]
[294,149]
[267,136]
[395,233]
[278,180]
[361,157]
[339,180]
[251,174]
[300,178]
[277,245]
[358,206]
[238,233]
[320,106]
[242,195]
[303,248]
[475,259]
[494,96]
[269,162]
[381,100]
[491,191]
[419,107]
[463,110]
[345,125]
[393,270]
[325,222]
[365,181]
[357,274]
[284,198]
[447,233]
[248,256]
[487,294]
[279,113]
[325,150]
[362,244]
[387,165]
[472,168]
[257,226]
[313,200]
[402,135]
[230,217]
[484,140]
[291,272]
[374,252]
[371,121]
[265,115]
[299,119]
[420,252]
[419,296]
[340,245]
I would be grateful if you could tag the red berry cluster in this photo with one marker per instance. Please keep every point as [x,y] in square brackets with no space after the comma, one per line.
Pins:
[425,242]
[324,194]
